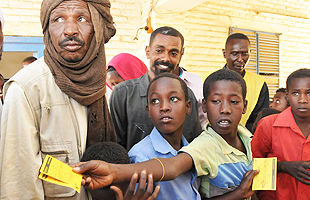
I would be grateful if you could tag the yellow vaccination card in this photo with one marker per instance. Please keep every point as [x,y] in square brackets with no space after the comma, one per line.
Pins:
[57,172]
[267,177]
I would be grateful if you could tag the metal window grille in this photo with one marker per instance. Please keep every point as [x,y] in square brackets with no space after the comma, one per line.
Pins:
[264,58]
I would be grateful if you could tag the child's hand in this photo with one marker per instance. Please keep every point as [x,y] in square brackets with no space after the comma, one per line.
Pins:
[297,169]
[141,193]
[245,190]
[96,174]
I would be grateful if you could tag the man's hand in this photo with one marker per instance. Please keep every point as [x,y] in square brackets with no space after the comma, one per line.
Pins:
[96,174]
[297,169]
[141,193]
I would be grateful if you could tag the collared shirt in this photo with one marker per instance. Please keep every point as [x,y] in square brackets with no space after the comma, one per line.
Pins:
[220,165]
[184,187]
[128,110]
[279,136]
[194,82]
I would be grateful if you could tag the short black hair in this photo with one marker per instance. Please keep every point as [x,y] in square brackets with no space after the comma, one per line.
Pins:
[30,58]
[110,152]
[223,75]
[169,75]
[237,36]
[281,90]
[300,73]
[167,30]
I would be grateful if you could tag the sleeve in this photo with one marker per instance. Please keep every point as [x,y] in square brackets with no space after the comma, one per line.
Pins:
[261,143]
[119,113]
[196,149]
[262,102]
[20,157]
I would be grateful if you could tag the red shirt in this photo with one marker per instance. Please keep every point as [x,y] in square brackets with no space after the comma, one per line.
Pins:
[279,136]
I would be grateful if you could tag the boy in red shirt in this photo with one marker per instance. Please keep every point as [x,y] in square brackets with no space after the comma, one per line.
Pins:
[285,136]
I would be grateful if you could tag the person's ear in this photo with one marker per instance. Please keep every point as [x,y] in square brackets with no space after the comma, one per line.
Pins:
[224,52]
[182,51]
[147,52]
[188,107]
[147,110]
[204,105]
[245,105]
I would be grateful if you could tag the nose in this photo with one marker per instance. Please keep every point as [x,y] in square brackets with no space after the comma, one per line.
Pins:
[165,56]
[71,28]
[225,108]
[303,98]
[271,105]
[239,57]
[165,106]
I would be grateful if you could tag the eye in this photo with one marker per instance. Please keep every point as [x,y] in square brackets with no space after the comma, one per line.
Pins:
[174,54]
[82,19]
[234,102]
[59,19]
[245,54]
[155,101]
[216,101]
[295,93]
[158,50]
[234,53]
[277,101]
[174,99]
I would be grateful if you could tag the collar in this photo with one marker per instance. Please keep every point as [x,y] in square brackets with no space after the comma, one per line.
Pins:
[161,145]
[244,135]
[143,84]
[289,120]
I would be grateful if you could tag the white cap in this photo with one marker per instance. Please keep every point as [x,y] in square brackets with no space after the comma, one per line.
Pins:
[1,18]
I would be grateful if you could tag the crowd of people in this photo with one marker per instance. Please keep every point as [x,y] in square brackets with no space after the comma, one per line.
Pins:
[142,133]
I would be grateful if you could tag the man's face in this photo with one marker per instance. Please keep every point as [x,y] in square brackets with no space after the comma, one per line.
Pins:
[71,29]
[165,53]
[237,54]
[1,41]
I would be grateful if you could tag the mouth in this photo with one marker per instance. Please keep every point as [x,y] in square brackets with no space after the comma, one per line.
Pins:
[224,123]
[302,109]
[163,67]
[166,119]
[72,46]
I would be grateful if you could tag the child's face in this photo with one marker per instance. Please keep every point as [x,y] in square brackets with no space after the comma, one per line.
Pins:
[225,106]
[167,106]
[279,101]
[299,97]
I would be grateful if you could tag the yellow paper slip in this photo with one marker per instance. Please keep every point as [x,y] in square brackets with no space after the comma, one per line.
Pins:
[57,172]
[267,177]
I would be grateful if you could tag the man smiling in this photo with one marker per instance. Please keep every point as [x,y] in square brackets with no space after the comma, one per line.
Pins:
[128,100]
[57,105]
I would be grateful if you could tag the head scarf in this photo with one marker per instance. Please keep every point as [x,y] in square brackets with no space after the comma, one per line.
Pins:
[84,81]
[127,66]
[1,18]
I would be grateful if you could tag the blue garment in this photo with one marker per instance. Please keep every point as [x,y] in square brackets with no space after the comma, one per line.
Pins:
[154,145]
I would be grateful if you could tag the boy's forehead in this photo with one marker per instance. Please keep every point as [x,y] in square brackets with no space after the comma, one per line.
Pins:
[167,83]
[300,83]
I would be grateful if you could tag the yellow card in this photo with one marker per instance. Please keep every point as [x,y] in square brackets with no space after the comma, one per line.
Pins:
[57,172]
[266,179]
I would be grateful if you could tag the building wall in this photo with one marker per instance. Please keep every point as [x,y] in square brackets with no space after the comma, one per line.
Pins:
[205,28]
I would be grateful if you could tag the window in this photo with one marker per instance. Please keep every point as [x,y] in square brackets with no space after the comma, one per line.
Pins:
[264,59]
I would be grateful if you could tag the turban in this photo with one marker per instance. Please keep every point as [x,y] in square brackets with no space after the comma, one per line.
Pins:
[84,81]
[1,18]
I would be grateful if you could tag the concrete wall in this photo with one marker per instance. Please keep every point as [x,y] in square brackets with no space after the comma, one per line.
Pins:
[205,27]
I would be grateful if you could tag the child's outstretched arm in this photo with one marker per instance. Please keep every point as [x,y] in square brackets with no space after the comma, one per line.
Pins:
[243,191]
[98,174]
[141,193]
[297,169]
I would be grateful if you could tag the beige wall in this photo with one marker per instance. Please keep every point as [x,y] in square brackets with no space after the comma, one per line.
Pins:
[205,27]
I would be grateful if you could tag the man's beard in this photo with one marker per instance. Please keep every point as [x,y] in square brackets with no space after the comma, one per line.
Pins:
[159,71]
